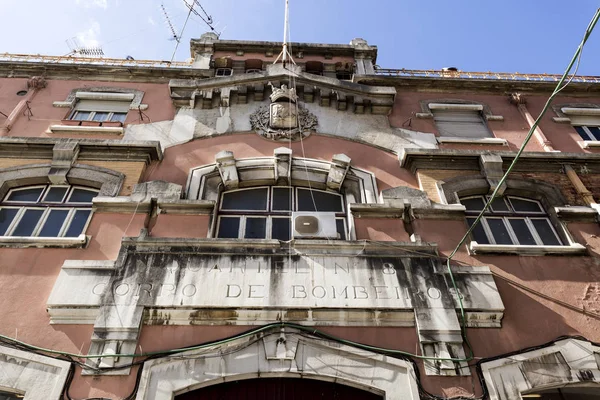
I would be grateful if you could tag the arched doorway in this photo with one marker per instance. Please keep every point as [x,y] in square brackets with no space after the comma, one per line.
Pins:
[278,389]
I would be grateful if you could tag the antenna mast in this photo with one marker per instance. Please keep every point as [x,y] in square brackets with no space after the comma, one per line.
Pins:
[286,23]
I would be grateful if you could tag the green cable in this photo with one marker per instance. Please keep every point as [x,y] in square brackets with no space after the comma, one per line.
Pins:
[558,88]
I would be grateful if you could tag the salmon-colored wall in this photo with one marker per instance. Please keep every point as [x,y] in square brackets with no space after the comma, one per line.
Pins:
[381,229]
[160,107]
[182,226]
[179,160]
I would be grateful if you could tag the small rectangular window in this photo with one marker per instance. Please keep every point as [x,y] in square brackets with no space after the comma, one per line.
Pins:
[455,123]
[229,227]
[251,200]
[100,116]
[319,201]
[7,215]
[28,223]
[256,228]
[281,228]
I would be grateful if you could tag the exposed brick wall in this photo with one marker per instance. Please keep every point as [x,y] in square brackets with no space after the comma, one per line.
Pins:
[592,183]
[429,177]
[132,171]
[561,181]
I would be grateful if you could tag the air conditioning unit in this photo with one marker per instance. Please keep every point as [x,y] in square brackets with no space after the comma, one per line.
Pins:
[314,225]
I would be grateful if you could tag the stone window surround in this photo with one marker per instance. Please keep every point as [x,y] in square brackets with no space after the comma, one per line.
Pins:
[98,93]
[33,375]
[564,111]
[574,360]
[359,186]
[467,105]
[549,196]
[279,353]
[106,181]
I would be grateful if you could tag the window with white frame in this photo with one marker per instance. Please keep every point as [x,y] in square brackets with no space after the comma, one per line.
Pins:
[586,121]
[46,211]
[100,110]
[265,212]
[588,132]
[224,72]
[460,120]
[510,220]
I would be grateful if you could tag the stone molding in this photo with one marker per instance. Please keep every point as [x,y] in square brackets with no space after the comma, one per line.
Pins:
[92,130]
[460,140]
[33,376]
[458,104]
[279,353]
[562,117]
[569,361]
[102,93]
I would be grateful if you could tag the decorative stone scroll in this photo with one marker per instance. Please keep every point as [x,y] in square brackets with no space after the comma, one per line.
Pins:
[283,119]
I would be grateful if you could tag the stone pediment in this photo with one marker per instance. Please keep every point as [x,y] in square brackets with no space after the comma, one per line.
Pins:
[239,89]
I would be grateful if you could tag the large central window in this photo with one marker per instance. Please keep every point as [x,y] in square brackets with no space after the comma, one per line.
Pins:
[511,221]
[265,212]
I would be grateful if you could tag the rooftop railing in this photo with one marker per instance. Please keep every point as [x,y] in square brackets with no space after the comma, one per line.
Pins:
[499,76]
[73,60]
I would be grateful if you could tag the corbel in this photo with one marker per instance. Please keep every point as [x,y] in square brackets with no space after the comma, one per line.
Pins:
[227,169]
[340,164]
[342,103]
[325,100]
[64,155]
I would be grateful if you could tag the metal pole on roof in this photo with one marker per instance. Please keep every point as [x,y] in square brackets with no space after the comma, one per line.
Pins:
[285,31]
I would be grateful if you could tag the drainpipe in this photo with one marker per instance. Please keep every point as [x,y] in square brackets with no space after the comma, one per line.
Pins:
[579,186]
[519,100]
[33,85]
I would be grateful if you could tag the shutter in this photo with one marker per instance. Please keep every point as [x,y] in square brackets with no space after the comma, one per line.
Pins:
[467,124]
[103,105]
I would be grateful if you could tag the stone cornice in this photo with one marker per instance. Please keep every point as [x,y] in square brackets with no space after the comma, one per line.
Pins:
[414,159]
[89,149]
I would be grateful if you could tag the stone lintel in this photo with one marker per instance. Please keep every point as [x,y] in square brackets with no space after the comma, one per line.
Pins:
[340,164]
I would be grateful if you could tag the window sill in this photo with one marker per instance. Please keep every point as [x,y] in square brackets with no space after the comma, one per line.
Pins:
[40,242]
[460,140]
[589,143]
[111,130]
[573,249]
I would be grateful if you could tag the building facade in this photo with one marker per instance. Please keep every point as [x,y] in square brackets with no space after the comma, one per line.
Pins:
[236,227]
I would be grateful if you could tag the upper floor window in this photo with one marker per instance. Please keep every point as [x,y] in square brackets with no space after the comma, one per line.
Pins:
[224,72]
[460,120]
[265,212]
[98,108]
[46,211]
[510,221]
[588,132]
[585,119]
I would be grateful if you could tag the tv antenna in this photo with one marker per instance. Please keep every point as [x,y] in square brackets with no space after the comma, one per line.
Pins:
[78,50]
[208,20]
[174,35]
[286,24]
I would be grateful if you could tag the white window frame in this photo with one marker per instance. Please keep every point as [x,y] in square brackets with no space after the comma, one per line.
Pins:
[505,216]
[71,207]
[93,115]
[223,72]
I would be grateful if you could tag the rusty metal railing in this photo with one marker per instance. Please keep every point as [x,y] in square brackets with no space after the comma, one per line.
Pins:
[73,60]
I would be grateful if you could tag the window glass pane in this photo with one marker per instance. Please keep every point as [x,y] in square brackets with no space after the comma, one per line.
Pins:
[31,194]
[473,204]
[55,194]
[119,117]
[229,227]
[78,223]
[81,115]
[6,217]
[251,199]
[499,205]
[53,223]
[522,205]
[341,228]
[478,233]
[324,201]
[584,135]
[82,196]
[524,236]
[499,231]
[280,228]
[27,223]
[282,199]
[256,228]
[545,232]
[100,116]
[595,131]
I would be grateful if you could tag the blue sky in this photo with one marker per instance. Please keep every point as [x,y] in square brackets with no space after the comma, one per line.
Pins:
[473,35]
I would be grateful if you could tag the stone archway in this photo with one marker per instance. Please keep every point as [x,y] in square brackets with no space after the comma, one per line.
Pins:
[279,353]
[279,388]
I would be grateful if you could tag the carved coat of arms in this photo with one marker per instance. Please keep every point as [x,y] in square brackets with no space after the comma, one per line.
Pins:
[283,119]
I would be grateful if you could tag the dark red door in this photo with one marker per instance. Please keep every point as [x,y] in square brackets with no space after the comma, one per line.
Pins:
[278,389]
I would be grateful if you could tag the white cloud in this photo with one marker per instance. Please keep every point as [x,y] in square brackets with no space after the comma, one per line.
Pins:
[93,3]
[151,21]
[90,37]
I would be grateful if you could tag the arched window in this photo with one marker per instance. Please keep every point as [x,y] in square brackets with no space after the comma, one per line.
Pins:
[46,211]
[511,220]
[266,212]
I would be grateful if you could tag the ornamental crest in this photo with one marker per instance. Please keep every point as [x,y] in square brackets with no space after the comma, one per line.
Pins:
[283,119]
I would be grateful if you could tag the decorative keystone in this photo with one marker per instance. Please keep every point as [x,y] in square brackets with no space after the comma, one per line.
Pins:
[340,163]
[64,155]
[227,169]
[491,168]
[283,165]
